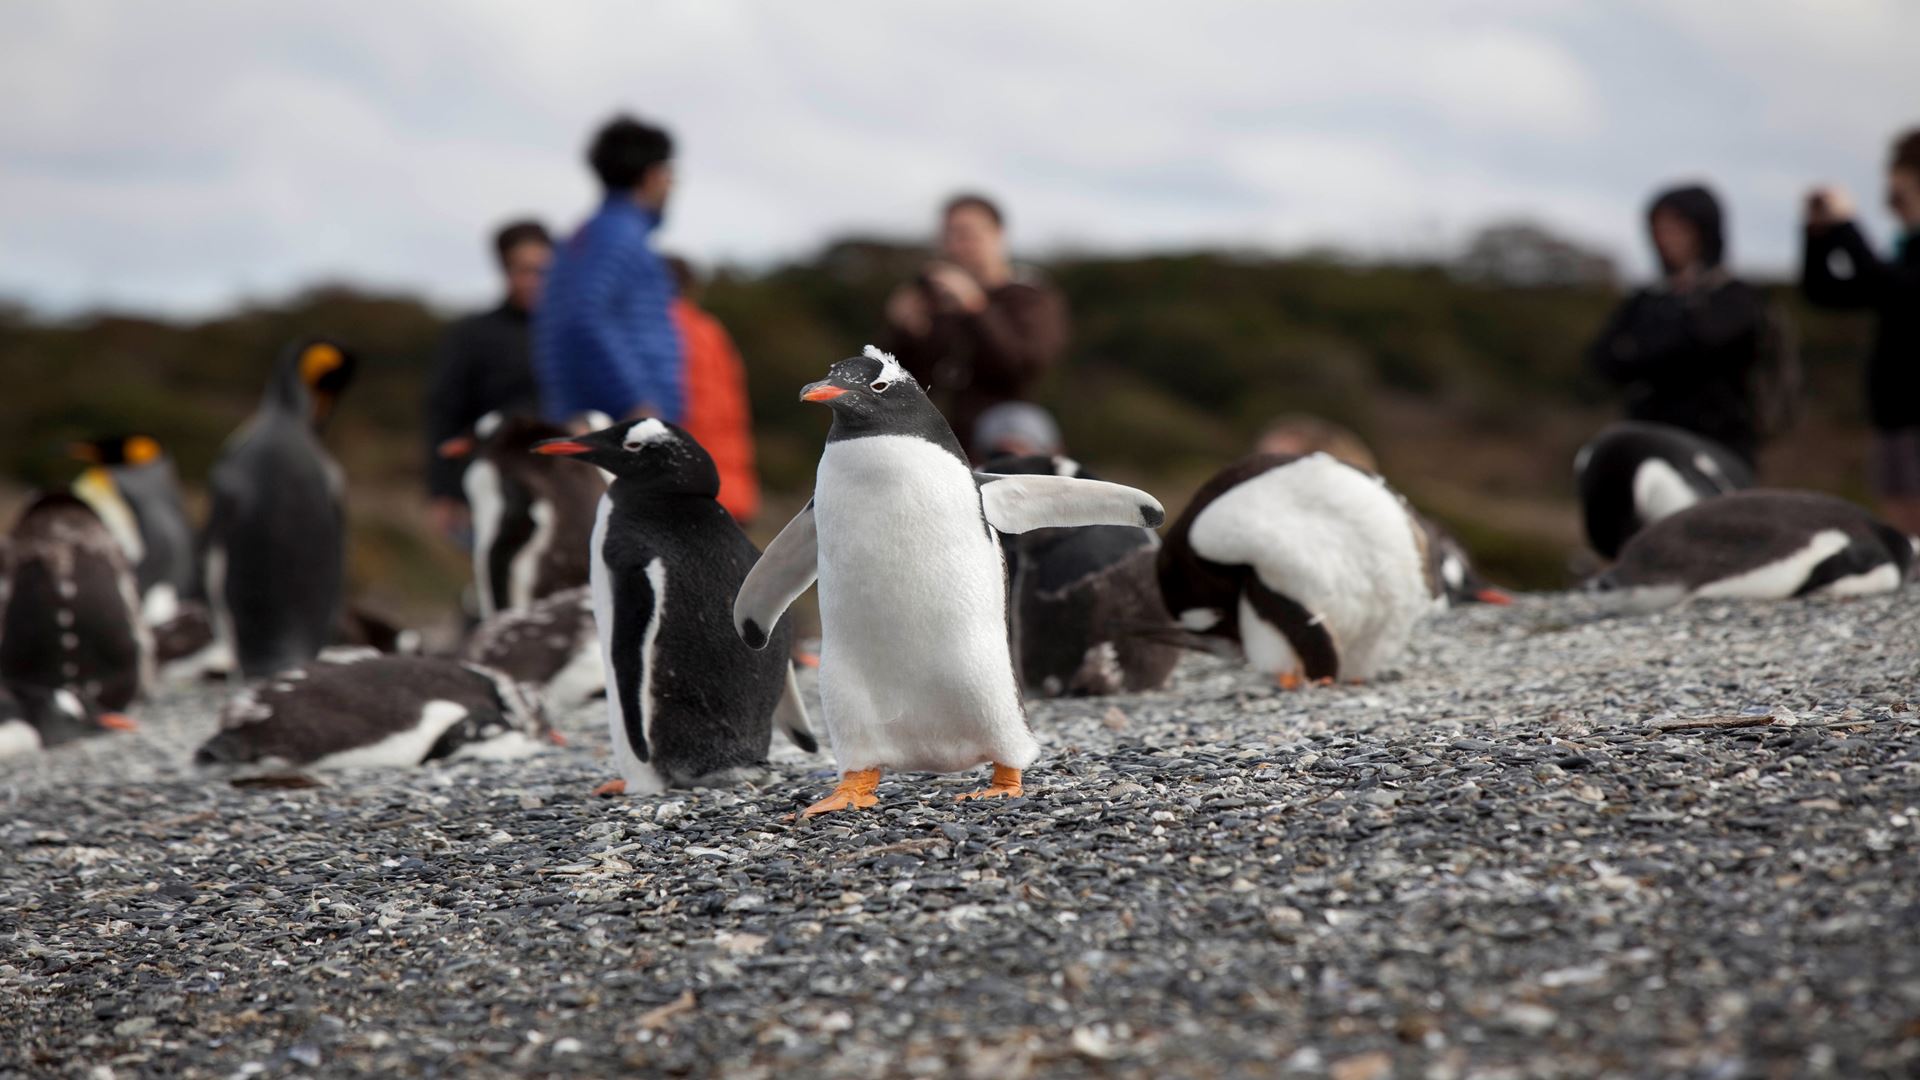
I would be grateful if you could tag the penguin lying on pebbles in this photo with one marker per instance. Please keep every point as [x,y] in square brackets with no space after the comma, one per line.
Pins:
[354,707]
[1318,569]
[1633,474]
[73,614]
[687,702]
[131,479]
[1760,545]
[550,645]
[33,718]
[1449,562]
[1086,610]
[275,563]
[532,517]
[915,669]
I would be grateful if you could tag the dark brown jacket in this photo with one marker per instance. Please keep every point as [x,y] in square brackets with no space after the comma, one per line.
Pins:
[968,362]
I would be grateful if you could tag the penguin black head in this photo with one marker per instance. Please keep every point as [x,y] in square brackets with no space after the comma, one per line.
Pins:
[311,376]
[120,450]
[872,394]
[650,454]
[60,715]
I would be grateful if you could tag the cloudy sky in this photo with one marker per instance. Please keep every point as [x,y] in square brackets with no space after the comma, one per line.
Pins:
[174,157]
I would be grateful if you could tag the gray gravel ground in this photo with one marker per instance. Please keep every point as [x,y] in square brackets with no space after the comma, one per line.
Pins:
[1508,862]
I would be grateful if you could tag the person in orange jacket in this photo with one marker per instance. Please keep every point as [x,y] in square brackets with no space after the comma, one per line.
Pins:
[716,412]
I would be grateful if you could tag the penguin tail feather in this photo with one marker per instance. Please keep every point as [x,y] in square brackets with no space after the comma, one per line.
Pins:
[791,716]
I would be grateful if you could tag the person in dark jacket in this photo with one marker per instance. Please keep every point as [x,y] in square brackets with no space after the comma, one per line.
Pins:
[484,365]
[969,328]
[1684,350]
[1891,288]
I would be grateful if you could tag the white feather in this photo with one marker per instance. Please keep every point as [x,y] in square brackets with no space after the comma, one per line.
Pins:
[408,747]
[1659,490]
[482,484]
[890,369]
[18,738]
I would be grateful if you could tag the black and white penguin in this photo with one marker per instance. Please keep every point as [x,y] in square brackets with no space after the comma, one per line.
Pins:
[1318,569]
[131,483]
[1633,474]
[687,702]
[1449,562]
[73,614]
[1760,545]
[915,667]
[1086,612]
[34,718]
[355,707]
[275,566]
[551,645]
[532,516]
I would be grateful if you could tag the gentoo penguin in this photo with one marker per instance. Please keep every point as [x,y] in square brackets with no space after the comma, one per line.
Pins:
[688,702]
[355,707]
[532,516]
[1086,612]
[34,718]
[73,616]
[1633,474]
[1760,545]
[1448,561]
[1316,568]
[550,644]
[915,668]
[131,480]
[276,540]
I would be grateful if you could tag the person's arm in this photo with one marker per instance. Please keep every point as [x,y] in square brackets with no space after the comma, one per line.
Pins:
[1017,336]
[446,411]
[1864,287]
[658,357]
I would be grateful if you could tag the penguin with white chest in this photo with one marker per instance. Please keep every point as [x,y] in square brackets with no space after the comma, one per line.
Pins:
[72,618]
[35,718]
[687,702]
[1318,569]
[903,537]
[132,484]
[1633,474]
[275,563]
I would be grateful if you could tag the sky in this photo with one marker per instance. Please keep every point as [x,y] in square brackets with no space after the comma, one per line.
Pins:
[178,158]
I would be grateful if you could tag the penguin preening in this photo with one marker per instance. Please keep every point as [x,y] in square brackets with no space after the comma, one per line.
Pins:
[687,702]
[903,536]
[132,484]
[1449,562]
[1633,474]
[275,564]
[532,516]
[1760,545]
[73,612]
[34,718]
[1316,568]
[1085,610]
[354,707]
[550,644]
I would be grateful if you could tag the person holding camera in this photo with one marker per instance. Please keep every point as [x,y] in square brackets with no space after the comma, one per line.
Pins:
[973,331]
[1840,270]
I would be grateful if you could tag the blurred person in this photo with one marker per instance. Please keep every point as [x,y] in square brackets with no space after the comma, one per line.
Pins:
[1892,289]
[1685,350]
[970,328]
[1015,429]
[484,365]
[717,414]
[1300,434]
[604,337]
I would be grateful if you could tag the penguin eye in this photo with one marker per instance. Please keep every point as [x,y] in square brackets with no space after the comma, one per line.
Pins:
[632,445]
[879,386]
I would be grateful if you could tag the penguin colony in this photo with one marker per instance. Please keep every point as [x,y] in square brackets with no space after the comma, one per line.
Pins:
[605,568]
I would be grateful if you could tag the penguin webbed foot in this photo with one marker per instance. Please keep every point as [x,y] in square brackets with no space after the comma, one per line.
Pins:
[856,792]
[1005,785]
[611,788]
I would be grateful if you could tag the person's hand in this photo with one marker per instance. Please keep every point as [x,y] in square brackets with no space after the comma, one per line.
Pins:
[907,311]
[449,516]
[1828,206]
[956,288]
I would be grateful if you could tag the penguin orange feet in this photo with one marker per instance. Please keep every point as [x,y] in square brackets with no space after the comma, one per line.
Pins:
[1289,680]
[612,787]
[856,792]
[1006,784]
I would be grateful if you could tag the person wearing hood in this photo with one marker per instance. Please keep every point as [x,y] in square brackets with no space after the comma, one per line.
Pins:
[1890,288]
[1684,349]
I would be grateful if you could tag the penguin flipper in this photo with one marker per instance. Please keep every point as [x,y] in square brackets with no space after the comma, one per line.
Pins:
[783,572]
[1017,504]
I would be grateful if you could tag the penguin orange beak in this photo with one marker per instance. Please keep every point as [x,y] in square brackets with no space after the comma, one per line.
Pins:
[457,447]
[114,721]
[821,391]
[556,738]
[1496,597]
[562,448]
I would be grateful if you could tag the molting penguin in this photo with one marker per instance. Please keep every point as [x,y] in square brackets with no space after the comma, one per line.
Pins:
[1449,562]
[915,670]
[1086,612]
[73,616]
[131,480]
[551,645]
[33,718]
[354,707]
[276,540]
[1316,568]
[1760,545]
[1633,474]
[688,702]
[532,516]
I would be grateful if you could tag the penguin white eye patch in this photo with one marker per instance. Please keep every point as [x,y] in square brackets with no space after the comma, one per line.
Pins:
[879,386]
[644,432]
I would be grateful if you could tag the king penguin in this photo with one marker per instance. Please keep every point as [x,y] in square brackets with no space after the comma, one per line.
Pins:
[131,481]
[687,702]
[275,564]
[1318,569]
[1633,474]
[73,612]
[903,536]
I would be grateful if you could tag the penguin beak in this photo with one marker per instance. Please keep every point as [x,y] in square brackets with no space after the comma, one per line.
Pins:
[820,391]
[556,738]
[561,448]
[114,721]
[457,447]
[1496,597]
